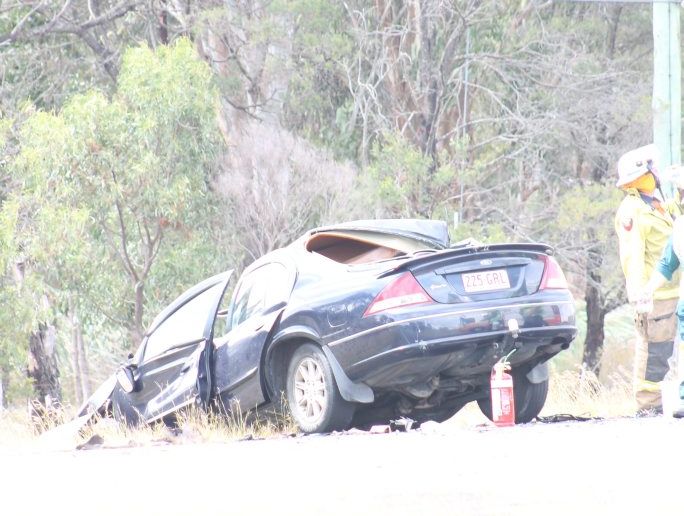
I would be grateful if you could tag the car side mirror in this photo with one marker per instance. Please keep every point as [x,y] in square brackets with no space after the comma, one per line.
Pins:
[126,378]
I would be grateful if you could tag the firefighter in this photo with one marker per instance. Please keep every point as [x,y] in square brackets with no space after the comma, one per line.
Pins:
[643,224]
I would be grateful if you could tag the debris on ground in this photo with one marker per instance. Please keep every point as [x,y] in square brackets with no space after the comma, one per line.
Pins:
[95,441]
[403,424]
[562,418]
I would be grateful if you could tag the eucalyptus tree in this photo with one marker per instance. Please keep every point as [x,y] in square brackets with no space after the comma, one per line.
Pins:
[115,213]
[529,103]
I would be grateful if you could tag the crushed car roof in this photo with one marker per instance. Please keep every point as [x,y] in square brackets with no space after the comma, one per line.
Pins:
[434,233]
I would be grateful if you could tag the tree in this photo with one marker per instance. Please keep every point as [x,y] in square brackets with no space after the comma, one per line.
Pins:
[606,112]
[276,186]
[115,211]
[544,114]
[267,56]
[589,252]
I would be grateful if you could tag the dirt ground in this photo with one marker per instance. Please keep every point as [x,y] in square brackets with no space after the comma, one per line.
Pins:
[620,466]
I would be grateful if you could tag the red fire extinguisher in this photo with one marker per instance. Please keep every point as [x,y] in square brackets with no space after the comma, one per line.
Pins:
[503,400]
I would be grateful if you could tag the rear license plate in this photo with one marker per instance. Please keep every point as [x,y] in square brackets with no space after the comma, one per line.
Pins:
[485,280]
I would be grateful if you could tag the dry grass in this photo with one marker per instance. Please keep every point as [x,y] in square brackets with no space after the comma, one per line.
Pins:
[18,427]
[15,428]
[575,393]
[580,393]
[193,426]
[571,392]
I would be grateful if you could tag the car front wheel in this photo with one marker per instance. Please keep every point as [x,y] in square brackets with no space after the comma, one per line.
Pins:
[529,399]
[314,400]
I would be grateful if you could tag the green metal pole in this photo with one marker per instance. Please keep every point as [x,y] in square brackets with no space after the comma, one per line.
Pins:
[667,128]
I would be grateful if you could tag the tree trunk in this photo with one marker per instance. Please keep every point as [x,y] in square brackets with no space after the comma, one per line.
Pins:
[4,384]
[42,367]
[596,308]
[75,363]
[137,330]
[43,371]
[163,18]
[596,315]
[78,357]
[593,343]
[83,363]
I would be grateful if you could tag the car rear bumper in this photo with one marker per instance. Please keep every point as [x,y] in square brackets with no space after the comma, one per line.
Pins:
[459,343]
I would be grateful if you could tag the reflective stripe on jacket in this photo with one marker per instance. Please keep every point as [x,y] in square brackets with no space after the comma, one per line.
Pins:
[642,234]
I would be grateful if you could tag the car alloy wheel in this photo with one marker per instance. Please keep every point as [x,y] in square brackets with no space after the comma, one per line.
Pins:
[310,393]
[314,400]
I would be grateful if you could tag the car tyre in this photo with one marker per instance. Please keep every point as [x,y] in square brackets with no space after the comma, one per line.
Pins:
[529,399]
[314,400]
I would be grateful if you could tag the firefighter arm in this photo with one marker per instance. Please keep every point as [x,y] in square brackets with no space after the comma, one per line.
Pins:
[632,255]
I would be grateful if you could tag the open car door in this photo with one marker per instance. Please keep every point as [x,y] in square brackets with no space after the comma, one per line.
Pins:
[172,368]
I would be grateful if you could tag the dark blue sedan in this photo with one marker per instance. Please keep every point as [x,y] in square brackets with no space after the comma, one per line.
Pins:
[355,324]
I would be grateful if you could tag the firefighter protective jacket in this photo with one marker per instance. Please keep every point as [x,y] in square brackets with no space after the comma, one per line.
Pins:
[643,232]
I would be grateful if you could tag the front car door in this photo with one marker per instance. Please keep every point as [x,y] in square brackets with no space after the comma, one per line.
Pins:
[172,367]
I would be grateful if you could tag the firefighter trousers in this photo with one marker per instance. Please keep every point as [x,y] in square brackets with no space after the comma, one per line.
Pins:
[654,348]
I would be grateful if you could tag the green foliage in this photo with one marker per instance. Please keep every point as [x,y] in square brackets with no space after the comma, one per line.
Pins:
[406,182]
[318,104]
[487,233]
[5,126]
[585,221]
[114,192]
[587,213]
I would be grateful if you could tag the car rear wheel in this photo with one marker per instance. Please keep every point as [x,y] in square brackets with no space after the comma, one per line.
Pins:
[529,399]
[314,400]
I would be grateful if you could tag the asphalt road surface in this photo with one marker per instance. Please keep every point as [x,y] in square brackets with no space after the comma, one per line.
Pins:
[622,467]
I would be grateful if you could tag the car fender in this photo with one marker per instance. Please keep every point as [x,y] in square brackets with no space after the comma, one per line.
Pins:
[350,391]
[294,332]
[281,337]
[538,373]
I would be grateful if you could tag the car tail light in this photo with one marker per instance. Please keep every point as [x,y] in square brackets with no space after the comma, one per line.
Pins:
[553,277]
[403,291]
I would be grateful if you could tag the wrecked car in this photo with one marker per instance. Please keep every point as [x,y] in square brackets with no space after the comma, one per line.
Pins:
[354,324]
